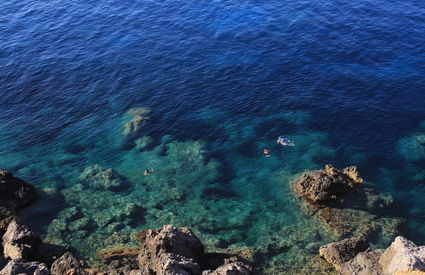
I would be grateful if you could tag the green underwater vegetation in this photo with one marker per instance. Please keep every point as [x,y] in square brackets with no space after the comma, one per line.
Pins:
[231,195]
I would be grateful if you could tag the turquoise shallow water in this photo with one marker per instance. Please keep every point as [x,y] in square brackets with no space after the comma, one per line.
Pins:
[222,79]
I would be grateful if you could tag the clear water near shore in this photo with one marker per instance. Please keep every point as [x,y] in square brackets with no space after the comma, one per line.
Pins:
[223,79]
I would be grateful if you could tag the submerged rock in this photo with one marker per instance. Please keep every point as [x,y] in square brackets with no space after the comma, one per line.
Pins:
[143,143]
[327,184]
[402,255]
[19,241]
[340,252]
[137,116]
[101,178]
[15,192]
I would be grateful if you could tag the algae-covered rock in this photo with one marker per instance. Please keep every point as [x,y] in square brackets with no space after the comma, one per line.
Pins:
[143,143]
[136,118]
[101,178]
[412,147]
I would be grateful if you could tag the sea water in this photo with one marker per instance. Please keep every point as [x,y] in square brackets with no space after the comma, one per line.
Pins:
[345,81]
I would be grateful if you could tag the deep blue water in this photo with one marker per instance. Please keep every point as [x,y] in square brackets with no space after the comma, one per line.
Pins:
[344,79]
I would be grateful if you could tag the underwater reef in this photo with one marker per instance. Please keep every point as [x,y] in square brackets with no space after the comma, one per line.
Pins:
[172,250]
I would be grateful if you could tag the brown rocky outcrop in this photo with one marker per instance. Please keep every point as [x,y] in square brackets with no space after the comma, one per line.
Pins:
[19,241]
[327,184]
[365,263]
[402,255]
[15,192]
[67,263]
[171,250]
[340,252]
[343,206]
[19,266]
[168,248]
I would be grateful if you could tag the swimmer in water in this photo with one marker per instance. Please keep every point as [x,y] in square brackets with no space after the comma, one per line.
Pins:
[266,152]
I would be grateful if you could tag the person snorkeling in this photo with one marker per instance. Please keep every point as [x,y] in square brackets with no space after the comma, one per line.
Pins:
[284,141]
[147,172]
[266,152]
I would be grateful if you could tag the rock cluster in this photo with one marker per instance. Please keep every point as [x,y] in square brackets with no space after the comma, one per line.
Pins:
[343,205]
[354,256]
[168,250]
[171,250]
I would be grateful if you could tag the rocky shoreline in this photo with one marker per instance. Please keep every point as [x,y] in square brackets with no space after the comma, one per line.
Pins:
[337,199]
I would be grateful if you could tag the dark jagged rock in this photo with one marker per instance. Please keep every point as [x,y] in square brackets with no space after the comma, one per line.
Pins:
[365,263]
[327,184]
[15,192]
[170,247]
[19,241]
[66,263]
[6,216]
[340,252]
[19,266]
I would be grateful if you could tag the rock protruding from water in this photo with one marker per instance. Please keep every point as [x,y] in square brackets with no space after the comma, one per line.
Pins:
[345,207]
[327,184]
[19,241]
[340,252]
[100,178]
[402,255]
[15,192]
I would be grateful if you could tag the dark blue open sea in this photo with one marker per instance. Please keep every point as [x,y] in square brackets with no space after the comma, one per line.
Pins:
[345,80]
